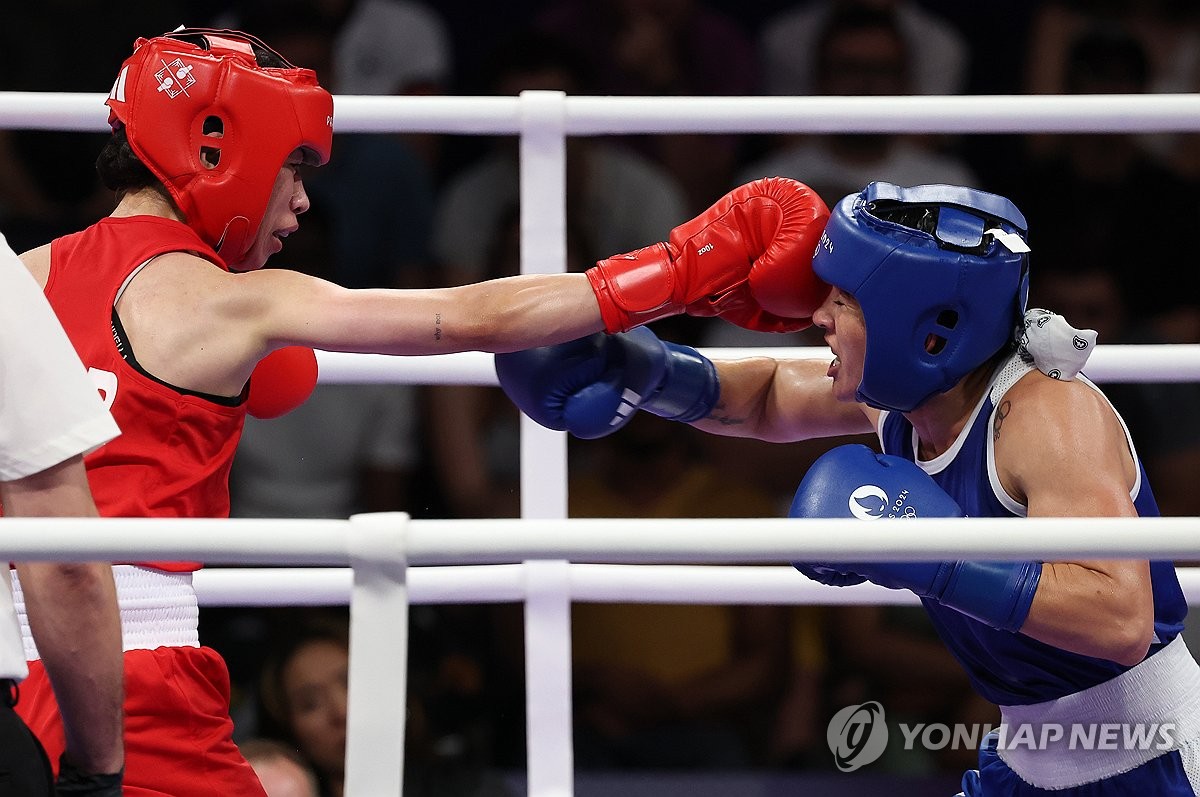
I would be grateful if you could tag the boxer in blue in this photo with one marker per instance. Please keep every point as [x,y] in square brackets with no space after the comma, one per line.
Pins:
[980,411]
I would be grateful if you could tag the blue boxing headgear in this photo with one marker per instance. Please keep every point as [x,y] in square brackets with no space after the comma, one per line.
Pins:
[941,274]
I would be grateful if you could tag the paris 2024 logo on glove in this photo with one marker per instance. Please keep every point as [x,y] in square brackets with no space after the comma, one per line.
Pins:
[870,502]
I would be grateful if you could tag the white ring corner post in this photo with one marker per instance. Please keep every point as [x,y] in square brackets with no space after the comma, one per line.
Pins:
[377,702]
[550,756]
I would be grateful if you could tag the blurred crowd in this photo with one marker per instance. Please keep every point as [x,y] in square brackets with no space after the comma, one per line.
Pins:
[657,687]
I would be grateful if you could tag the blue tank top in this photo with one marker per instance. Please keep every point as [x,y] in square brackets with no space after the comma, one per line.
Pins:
[1006,668]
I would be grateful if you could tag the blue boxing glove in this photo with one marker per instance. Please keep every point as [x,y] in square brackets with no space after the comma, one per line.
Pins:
[591,387]
[854,481]
[822,494]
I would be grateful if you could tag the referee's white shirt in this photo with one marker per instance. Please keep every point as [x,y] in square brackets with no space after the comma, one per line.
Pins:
[50,410]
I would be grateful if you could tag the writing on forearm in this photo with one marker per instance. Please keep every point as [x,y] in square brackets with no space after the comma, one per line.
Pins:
[724,418]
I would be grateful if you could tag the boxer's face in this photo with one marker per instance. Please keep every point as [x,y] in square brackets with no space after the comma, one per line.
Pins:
[846,334]
[288,200]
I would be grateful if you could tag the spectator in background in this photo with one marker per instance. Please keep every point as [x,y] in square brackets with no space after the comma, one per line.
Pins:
[1063,185]
[282,771]
[1166,29]
[861,50]
[790,46]
[401,48]
[303,693]
[621,198]
[661,686]
[666,48]
[391,47]
[1168,33]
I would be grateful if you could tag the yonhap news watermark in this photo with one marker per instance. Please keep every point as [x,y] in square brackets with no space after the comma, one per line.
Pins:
[859,734]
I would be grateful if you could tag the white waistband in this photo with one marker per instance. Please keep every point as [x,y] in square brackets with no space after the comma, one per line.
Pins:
[1113,727]
[158,609]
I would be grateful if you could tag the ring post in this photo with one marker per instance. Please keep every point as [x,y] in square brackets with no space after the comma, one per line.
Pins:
[543,188]
[549,736]
[377,702]
[550,758]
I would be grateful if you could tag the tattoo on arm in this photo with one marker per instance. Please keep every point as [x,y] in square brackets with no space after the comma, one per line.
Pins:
[437,326]
[724,418]
[1001,413]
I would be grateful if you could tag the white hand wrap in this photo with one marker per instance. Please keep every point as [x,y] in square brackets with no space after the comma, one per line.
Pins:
[1056,348]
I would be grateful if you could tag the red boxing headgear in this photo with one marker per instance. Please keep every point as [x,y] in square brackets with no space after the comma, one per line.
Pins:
[216,128]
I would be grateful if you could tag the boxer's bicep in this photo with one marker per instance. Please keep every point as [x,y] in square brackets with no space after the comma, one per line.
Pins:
[1060,451]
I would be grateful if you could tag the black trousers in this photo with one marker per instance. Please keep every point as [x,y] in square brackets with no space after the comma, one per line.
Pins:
[24,768]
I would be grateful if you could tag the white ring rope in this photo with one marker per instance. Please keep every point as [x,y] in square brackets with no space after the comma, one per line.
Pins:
[392,535]
[701,584]
[379,548]
[1111,363]
[583,116]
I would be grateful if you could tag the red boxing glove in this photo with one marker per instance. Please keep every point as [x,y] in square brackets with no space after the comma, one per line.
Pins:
[747,259]
[282,381]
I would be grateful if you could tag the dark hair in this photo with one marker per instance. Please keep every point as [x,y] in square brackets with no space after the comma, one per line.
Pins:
[119,167]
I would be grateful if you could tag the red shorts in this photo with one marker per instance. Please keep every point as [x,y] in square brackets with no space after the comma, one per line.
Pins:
[178,733]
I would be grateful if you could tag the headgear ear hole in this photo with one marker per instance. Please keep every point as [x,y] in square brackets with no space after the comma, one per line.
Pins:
[947,319]
[934,344]
[213,127]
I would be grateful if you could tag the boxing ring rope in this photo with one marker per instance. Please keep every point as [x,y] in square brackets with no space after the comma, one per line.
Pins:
[393,560]
[588,583]
[1108,363]
[586,116]
[545,560]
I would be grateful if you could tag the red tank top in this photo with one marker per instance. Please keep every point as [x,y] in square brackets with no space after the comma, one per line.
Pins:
[174,452]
